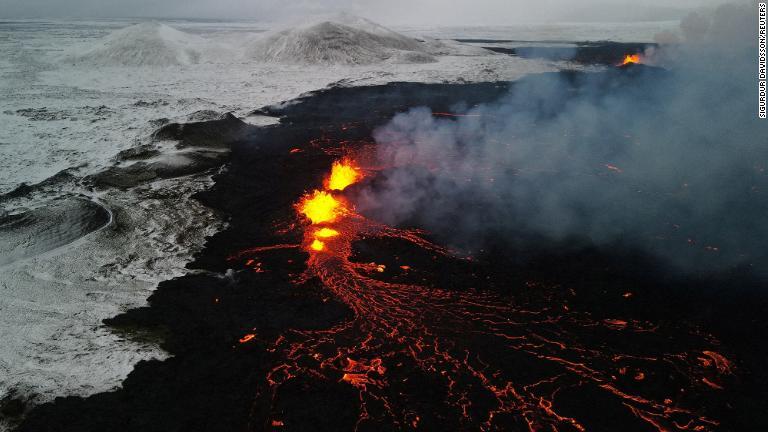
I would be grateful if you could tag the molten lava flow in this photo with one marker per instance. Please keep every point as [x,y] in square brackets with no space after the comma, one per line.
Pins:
[343,174]
[441,336]
[320,207]
[247,338]
[631,59]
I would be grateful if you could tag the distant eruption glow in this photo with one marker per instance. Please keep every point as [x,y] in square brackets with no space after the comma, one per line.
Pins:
[631,59]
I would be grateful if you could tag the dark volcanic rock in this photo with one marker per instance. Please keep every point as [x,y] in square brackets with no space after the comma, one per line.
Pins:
[219,133]
[173,166]
[12,405]
[381,102]
[124,177]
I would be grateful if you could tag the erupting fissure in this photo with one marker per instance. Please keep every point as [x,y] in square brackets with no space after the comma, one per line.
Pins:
[322,207]
[401,333]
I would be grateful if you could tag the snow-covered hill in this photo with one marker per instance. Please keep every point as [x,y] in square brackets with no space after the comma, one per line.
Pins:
[340,39]
[145,44]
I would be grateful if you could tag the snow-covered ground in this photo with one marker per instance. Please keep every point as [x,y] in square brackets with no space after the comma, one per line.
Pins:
[69,102]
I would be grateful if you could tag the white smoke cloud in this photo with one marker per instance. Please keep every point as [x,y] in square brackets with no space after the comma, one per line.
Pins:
[671,163]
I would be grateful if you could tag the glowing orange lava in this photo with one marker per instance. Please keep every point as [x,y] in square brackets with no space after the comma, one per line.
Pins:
[631,59]
[320,207]
[343,174]
[326,233]
[247,338]
[317,245]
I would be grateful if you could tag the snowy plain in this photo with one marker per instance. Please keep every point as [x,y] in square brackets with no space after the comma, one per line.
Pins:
[65,105]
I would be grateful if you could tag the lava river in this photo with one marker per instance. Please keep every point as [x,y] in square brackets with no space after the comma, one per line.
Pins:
[487,362]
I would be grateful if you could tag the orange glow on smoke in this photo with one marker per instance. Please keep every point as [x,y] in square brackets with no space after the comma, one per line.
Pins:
[320,207]
[343,174]
[631,59]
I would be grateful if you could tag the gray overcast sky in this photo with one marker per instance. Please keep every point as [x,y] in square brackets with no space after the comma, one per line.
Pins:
[448,12]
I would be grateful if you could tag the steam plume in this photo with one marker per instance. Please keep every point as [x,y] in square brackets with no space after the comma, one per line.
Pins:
[670,162]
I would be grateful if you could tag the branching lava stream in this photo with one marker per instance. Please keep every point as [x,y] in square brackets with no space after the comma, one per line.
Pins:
[402,334]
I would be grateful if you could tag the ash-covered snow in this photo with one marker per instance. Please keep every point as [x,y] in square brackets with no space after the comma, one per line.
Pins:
[72,117]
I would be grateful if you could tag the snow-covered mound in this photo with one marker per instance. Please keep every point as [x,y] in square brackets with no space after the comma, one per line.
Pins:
[145,44]
[341,39]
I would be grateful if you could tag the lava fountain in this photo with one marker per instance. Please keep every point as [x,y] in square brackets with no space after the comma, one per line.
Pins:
[343,174]
[320,207]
